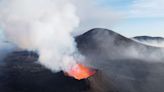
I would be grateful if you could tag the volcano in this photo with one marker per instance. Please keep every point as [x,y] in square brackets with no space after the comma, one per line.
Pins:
[123,65]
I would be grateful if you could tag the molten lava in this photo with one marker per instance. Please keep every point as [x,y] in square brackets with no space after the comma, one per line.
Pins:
[80,71]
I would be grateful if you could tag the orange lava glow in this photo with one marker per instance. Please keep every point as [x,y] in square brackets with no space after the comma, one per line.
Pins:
[80,71]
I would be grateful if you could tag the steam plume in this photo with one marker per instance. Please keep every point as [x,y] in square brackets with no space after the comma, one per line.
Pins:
[42,25]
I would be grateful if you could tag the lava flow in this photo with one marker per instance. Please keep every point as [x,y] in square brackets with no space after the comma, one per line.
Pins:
[80,71]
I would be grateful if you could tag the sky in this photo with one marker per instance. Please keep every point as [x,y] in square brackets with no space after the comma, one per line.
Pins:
[141,17]
[127,17]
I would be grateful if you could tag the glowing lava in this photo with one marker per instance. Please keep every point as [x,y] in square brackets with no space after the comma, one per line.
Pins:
[80,71]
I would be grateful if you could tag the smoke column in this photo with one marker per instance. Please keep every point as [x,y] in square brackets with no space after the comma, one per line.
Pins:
[42,25]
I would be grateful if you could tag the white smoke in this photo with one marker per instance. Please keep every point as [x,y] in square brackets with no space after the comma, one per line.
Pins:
[42,25]
[48,25]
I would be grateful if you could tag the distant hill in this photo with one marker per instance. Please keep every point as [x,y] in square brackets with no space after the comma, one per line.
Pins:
[141,38]
[107,42]
[153,41]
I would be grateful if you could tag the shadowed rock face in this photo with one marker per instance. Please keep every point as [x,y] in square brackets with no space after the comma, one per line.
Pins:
[119,68]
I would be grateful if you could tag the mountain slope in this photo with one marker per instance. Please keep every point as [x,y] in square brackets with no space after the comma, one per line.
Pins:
[113,45]
[124,65]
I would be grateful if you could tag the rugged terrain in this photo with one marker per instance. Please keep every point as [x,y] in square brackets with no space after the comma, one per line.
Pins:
[123,65]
